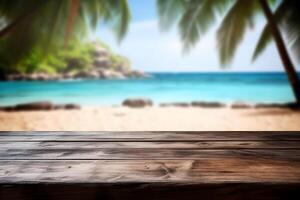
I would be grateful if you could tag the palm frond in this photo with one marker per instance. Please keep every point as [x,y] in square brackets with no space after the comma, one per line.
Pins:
[266,36]
[194,17]
[123,14]
[198,18]
[233,28]
[169,12]
[291,26]
[112,12]
[264,40]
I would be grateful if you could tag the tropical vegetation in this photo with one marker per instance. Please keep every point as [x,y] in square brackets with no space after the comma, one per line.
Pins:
[195,17]
[34,28]
[77,57]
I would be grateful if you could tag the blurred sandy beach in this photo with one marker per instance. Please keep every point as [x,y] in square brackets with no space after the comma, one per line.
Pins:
[152,119]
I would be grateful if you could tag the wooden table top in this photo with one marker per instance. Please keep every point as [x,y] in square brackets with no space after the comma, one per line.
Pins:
[155,158]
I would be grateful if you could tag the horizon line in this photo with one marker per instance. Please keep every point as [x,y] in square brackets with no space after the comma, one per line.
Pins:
[262,72]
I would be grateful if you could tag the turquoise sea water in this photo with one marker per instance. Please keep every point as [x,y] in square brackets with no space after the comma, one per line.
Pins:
[162,87]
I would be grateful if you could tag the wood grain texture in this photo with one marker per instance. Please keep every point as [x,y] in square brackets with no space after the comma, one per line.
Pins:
[217,170]
[154,145]
[149,165]
[141,154]
[148,136]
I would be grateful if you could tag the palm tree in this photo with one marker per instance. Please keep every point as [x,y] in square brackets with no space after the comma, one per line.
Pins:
[195,17]
[50,24]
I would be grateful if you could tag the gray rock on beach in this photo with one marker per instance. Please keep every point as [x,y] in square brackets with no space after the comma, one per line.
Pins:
[44,105]
[71,106]
[137,103]
[177,104]
[40,106]
[278,105]
[204,104]
[241,105]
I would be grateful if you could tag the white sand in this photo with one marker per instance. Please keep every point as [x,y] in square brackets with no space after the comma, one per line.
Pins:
[152,119]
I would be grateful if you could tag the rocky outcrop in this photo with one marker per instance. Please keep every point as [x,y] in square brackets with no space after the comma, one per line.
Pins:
[93,74]
[101,58]
[111,74]
[100,74]
[86,75]
[33,77]
[137,103]
[136,74]
[102,67]
[40,106]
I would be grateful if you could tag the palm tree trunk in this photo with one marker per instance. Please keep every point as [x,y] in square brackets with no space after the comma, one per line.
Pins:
[286,60]
[73,12]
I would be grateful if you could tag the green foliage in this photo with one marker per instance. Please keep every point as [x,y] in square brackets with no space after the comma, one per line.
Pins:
[103,45]
[30,64]
[76,57]
[119,61]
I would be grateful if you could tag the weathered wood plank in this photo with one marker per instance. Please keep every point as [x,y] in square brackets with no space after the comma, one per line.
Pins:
[148,136]
[154,145]
[141,153]
[149,165]
[206,171]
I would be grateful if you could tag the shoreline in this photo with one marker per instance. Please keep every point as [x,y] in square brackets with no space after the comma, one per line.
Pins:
[141,103]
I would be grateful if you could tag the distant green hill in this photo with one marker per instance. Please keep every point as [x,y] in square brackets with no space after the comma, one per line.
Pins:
[78,60]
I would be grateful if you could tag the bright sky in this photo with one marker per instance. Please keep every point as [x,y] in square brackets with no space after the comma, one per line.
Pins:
[151,50]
